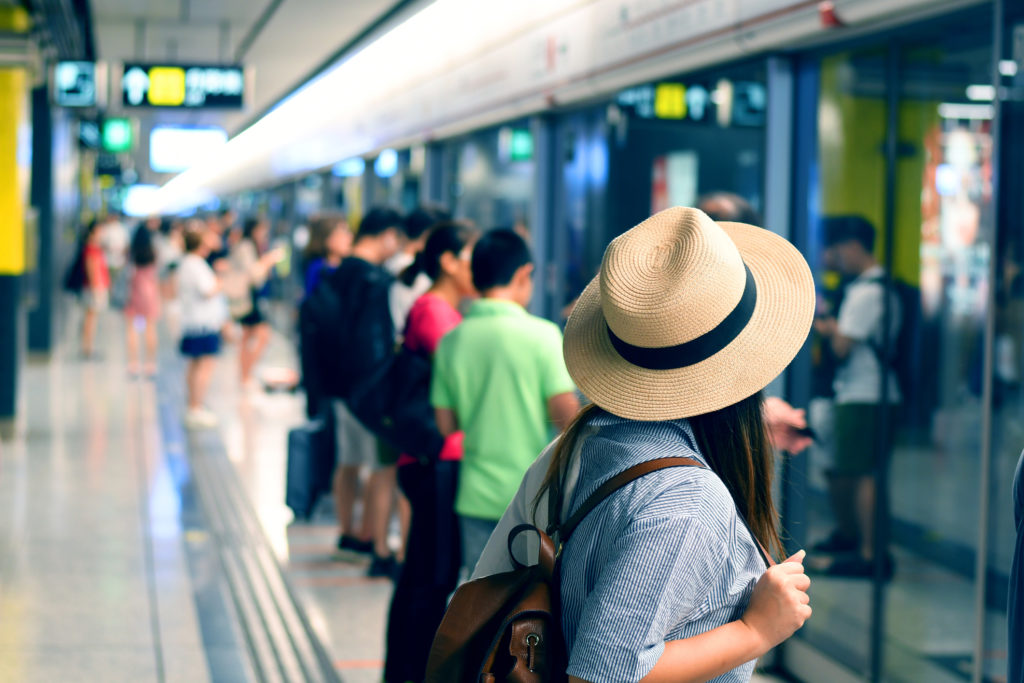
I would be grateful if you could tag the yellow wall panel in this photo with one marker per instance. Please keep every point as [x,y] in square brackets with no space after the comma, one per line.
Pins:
[13,175]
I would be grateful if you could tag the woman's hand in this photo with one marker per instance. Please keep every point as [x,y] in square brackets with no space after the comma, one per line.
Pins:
[780,604]
[785,424]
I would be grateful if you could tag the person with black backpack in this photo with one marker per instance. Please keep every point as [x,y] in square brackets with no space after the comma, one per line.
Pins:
[348,339]
[862,439]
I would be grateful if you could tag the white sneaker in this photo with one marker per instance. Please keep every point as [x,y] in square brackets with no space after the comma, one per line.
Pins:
[200,418]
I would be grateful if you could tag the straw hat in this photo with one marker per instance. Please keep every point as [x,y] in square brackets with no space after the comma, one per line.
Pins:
[688,316]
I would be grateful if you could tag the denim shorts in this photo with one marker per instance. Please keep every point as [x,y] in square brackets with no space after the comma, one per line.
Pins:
[197,345]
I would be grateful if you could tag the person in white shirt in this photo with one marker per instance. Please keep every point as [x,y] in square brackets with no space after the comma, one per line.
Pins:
[202,316]
[863,439]
[412,283]
[114,240]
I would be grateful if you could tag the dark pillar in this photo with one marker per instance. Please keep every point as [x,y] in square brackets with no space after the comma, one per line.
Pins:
[13,91]
[40,318]
[10,334]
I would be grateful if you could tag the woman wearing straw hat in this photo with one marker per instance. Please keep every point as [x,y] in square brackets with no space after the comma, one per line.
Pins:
[673,342]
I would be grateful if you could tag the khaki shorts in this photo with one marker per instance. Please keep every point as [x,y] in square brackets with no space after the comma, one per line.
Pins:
[357,445]
[857,432]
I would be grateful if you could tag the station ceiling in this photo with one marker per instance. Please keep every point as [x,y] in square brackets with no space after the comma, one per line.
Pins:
[283,41]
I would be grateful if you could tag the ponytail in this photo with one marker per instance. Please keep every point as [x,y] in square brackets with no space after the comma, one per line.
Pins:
[409,275]
[450,237]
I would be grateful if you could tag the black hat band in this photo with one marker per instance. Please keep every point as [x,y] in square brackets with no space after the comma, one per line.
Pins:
[696,350]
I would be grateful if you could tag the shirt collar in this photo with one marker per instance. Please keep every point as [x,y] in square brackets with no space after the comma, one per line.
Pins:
[677,431]
[872,273]
[495,307]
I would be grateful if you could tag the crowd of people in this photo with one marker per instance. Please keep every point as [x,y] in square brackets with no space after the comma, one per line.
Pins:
[440,389]
[212,274]
[496,387]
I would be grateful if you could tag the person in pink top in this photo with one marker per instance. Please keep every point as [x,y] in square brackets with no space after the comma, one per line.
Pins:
[433,555]
[143,307]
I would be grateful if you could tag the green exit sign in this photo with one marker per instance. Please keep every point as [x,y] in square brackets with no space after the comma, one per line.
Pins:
[521,146]
[118,135]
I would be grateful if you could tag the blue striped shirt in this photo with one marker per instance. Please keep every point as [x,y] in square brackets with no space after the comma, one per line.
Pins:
[664,558]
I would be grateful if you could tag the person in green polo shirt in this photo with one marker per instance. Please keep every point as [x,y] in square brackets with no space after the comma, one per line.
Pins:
[500,378]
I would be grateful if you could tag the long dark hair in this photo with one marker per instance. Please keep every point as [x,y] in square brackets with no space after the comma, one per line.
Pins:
[733,441]
[320,228]
[249,228]
[141,249]
[446,237]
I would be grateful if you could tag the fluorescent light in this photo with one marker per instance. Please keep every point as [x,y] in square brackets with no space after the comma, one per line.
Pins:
[349,168]
[140,200]
[955,110]
[980,92]
[300,134]
[178,148]
[1008,67]
[386,164]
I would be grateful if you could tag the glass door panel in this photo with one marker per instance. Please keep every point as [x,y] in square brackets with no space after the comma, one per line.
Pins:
[846,179]
[891,509]
[943,215]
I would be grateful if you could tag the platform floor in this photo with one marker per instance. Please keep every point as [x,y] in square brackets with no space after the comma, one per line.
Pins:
[108,569]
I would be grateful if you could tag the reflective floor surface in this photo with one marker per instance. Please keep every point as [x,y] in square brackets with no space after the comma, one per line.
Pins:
[108,564]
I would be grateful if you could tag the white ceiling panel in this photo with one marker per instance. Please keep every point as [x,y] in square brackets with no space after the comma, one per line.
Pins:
[240,11]
[201,43]
[150,9]
[115,40]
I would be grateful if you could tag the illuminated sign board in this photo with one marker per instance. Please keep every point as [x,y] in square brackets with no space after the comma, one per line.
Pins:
[74,84]
[178,86]
[118,135]
[725,102]
[515,144]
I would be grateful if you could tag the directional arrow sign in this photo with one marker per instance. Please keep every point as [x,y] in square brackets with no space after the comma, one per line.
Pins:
[135,84]
[183,86]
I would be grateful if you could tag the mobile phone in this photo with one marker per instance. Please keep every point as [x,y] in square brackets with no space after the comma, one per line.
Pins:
[807,431]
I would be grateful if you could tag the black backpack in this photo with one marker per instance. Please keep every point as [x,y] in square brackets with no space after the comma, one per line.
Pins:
[74,278]
[349,352]
[396,407]
[909,357]
[345,329]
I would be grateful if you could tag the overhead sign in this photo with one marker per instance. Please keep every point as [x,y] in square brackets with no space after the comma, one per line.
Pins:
[74,84]
[729,103]
[89,136]
[192,86]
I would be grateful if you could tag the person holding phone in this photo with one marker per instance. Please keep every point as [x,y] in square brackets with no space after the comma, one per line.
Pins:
[251,263]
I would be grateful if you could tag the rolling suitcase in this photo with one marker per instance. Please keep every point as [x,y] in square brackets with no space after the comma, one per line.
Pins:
[310,466]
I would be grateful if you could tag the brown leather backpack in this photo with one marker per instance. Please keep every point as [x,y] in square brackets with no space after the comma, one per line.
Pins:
[507,627]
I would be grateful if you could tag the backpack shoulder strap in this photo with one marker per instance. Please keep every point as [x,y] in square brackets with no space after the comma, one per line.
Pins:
[630,475]
[614,484]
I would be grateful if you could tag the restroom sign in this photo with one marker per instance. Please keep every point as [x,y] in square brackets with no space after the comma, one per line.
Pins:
[183,86]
